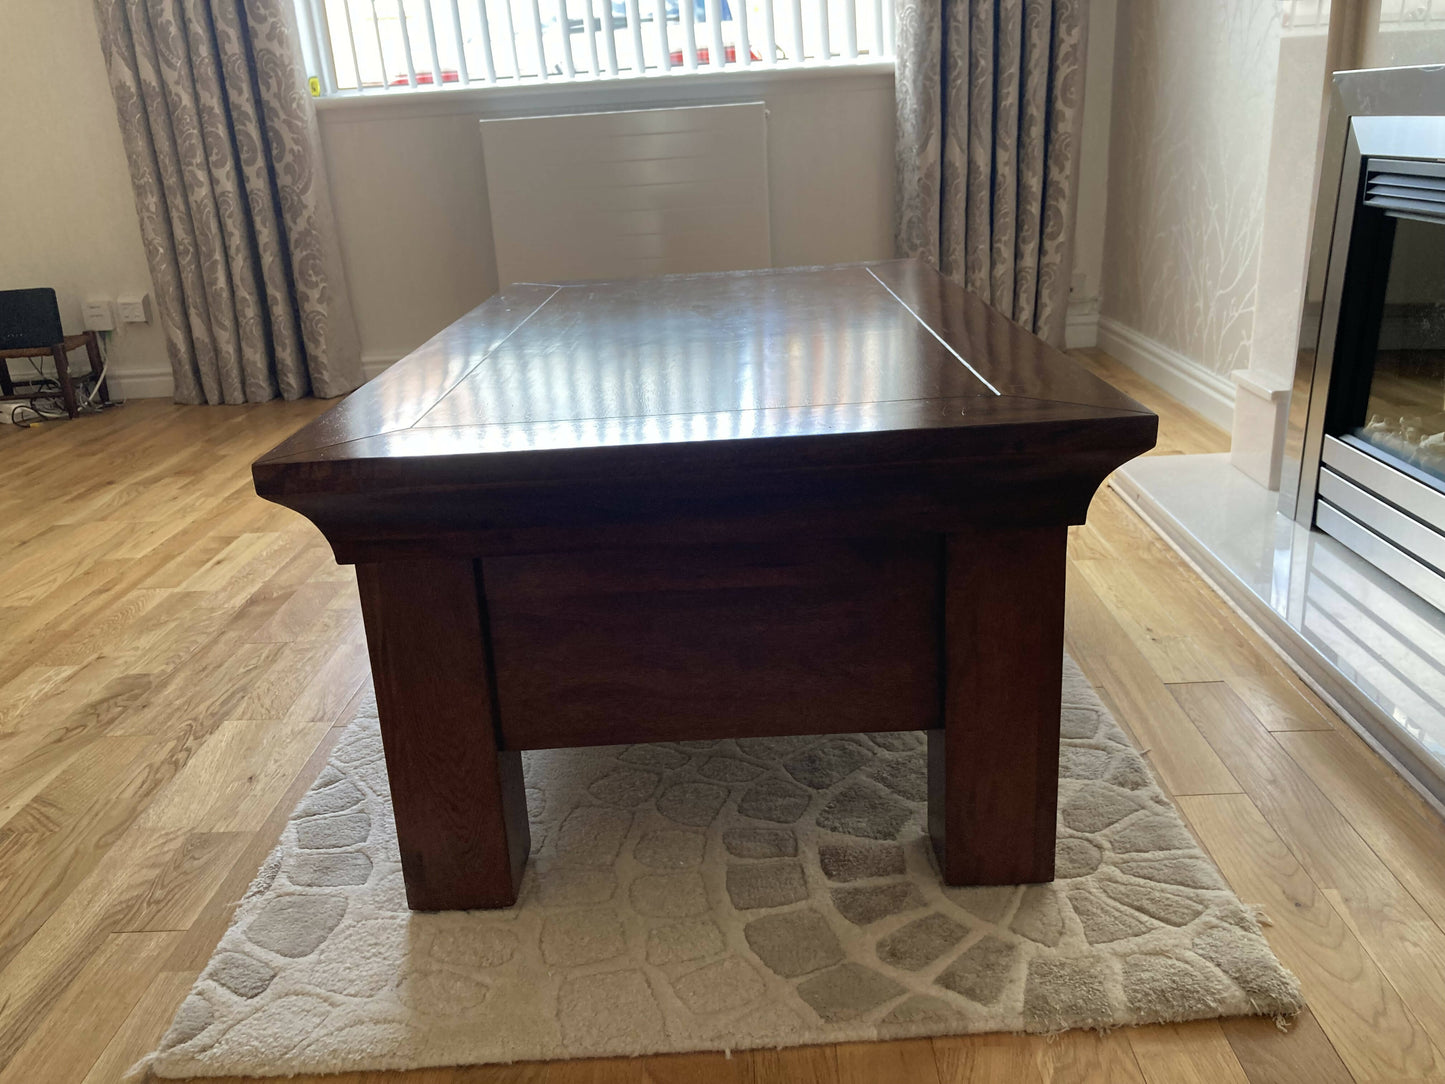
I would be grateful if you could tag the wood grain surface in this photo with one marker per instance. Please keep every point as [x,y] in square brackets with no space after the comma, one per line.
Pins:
[993,768]
[461,813]
[669,643]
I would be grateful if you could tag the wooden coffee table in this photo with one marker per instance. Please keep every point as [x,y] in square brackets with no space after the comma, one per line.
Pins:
[793,502]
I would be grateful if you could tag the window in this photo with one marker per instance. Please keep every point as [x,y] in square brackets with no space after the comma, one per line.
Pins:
[363,45]
[1394,15]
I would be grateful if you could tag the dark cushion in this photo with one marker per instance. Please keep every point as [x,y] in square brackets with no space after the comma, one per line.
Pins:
[29,318]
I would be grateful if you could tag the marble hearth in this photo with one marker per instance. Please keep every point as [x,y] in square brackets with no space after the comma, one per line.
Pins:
[1371,648]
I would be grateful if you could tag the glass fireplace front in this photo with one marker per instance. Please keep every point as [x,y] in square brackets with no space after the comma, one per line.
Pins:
[1400,416]
[1381,484]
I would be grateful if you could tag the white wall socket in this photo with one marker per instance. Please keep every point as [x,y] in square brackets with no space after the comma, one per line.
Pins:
[134,308]
[99,314]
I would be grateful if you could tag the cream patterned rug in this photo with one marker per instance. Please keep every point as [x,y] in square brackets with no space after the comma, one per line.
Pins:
[720,895]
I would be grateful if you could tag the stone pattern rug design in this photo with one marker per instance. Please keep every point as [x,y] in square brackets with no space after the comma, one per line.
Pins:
[720,895]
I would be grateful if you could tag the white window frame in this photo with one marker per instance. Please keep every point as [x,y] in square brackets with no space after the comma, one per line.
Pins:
[407,41]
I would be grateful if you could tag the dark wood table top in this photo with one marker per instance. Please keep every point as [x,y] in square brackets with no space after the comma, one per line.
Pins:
[704,376]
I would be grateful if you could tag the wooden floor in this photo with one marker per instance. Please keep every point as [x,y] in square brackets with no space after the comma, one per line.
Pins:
[176,656]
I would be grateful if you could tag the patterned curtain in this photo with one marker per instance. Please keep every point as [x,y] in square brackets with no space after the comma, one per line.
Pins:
[234,209]
[990,103]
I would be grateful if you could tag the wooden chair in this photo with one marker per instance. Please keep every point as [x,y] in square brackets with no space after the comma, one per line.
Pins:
[30,328]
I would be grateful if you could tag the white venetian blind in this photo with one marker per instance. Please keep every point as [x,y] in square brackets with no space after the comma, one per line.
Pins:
[368,45]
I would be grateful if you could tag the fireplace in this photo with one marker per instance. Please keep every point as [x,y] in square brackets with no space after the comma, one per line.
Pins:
[1370,445]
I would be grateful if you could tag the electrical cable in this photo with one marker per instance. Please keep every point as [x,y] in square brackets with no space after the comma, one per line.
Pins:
[104,367]
[48,407]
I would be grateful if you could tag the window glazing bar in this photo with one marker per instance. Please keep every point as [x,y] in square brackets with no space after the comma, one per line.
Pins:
[463,73]
[489,64]
[431,40]
[609,35]
[717,51]
[406,43]
[510,29]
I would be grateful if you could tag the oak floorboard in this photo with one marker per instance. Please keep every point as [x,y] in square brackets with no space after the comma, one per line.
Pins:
[1150,619]
[88,636]
[792,1065]
[143,1028]
[52,842]
[1194,1053]
[36,975]
[1180,756]
[980,1059]
[1299,1054]
[174,898]
[28,689]
[1090,628]
[1388,921]
[699,1068]
[1113,531]
[235,779]
[595,1071]
[1207,642]
[31,760]
[1088,1057]
[1388,815]
[1072,1057]
[194,948]
[1374,1031]
[912,1060]
[297,614]
[102,994]
[29,638]
[92,698]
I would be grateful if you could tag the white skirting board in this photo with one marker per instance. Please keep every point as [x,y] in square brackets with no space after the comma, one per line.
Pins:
[376,364]
[158,384]
[1081,326]
[140,383]
[1208,393]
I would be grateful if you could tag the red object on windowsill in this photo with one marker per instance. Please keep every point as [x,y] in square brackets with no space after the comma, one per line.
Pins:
[730,55]
[425,79]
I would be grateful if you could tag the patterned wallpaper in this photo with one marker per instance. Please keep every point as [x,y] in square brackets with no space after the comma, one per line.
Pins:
[1193,101]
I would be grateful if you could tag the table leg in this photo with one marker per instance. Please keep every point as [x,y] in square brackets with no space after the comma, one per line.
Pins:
[461,813]
[62,373]
[993,769]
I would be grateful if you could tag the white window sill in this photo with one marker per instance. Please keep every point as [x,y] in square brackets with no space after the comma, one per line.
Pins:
[584,93]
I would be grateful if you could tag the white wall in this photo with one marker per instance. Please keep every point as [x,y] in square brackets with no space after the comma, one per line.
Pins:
[67,216]
[1193,103]
[409,185]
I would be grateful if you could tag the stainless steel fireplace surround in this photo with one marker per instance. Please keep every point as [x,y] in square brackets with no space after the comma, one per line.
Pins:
[1365,448]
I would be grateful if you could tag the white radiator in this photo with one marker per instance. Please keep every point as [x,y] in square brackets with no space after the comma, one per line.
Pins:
[628,194]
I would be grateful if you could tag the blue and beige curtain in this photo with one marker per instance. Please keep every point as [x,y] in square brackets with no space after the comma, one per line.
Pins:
[990,104]
[235,214]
